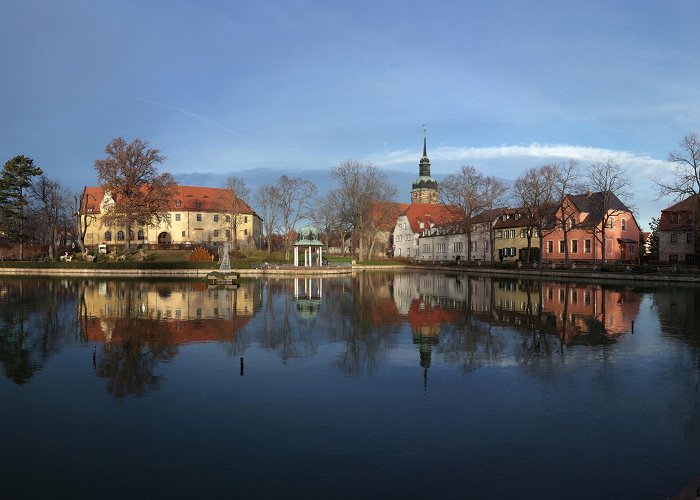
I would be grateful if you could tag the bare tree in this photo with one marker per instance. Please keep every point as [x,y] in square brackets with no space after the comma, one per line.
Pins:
[534,193]
[494,193]
[685,178]
[233,214]
[139,195]
[609,181]
[49,206]
[266,201]
[462,194]
[361,195]
[293,201]
[84,208]
[566,180]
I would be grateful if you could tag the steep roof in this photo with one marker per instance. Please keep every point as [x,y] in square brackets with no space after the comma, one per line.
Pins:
[685,210]
[191,198]
[427,213]
[516,217]
[592,203]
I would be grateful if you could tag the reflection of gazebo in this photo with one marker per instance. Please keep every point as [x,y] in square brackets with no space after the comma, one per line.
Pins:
[308,293]
[307,238]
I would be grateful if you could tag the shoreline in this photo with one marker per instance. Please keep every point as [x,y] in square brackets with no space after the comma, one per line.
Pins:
[285,271]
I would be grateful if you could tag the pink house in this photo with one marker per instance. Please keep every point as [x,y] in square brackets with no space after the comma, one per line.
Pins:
[593,220]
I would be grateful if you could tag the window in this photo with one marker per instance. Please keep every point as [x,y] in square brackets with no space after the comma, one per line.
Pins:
[120,236]
[199,217]
[474,246]
[674,218]
[586,246]
[404,225]
[441,247]
[426,247]
[197,204]
[690,259]
[550,246]
[499,234]
[216,233]
[183,234]
[216,217]
[177,217]
[245,219]
[228,233]
[108,235]
[245,232]
[623,224]
[674,237]
[131,234]
[611,222]
[673,258]
[457,246]
[228,218]
[562,246]
[522,233]
[178,203]
[689,237]
[141,235]
[574,246]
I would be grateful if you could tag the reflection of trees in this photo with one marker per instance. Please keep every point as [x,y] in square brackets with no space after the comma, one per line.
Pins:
[130,364]
[358,317]
[33,324]
[679,316]
[470,343]
[280,327]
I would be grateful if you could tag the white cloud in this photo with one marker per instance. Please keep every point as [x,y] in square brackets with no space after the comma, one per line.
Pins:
[541,152]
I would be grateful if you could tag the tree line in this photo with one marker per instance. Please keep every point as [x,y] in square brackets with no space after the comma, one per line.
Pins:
[358,209]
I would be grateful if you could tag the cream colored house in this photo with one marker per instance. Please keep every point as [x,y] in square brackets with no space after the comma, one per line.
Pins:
[197,215]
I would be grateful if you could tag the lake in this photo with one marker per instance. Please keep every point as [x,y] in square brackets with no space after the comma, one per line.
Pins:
[378,385]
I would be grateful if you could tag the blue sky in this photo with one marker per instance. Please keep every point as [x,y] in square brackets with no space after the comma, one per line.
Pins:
[258,88]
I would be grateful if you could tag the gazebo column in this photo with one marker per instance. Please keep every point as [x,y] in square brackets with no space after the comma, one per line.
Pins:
[296,256]
[320,256]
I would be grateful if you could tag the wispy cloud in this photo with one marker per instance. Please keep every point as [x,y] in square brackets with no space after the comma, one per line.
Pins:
[535,151]
[198,117]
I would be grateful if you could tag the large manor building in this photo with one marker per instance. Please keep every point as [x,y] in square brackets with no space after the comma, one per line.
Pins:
[197,215]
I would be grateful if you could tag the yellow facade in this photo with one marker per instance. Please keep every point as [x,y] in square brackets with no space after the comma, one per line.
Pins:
[197,215]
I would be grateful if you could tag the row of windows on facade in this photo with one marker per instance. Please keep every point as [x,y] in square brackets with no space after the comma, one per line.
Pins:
[510,234]
[198,218]
[688,237]
[141,236]
[575,246]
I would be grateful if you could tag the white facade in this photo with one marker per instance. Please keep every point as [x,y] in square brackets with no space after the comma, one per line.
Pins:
[444,245]
[405,242]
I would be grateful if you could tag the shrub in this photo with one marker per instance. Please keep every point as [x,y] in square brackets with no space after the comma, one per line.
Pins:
[644,269]
[200,254]
[505,265]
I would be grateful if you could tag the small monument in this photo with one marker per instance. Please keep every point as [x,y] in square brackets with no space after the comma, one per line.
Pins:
[224,276]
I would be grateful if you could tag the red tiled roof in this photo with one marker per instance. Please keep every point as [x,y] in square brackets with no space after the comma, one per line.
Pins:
[427,212]
[192,198]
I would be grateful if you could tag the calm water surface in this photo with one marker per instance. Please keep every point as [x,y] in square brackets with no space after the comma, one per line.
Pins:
[384,385]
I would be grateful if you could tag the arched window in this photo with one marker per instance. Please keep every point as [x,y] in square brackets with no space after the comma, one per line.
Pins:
[141,236]
[131,234]
[108,235]
[120,236]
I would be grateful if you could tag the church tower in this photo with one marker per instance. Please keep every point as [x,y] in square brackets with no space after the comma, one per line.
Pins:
[425,188]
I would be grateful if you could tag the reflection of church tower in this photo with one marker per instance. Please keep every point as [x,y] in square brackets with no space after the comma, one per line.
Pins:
[425,188]
[425,340]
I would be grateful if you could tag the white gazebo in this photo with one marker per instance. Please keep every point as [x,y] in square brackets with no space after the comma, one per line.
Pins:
[307,240]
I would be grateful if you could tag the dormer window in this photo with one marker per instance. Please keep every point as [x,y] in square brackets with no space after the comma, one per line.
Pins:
[178,203]
[198,204]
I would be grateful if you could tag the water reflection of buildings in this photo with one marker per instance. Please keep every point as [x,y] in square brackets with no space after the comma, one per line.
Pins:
[589,314]
[186,312]
[430,300]
[468,307]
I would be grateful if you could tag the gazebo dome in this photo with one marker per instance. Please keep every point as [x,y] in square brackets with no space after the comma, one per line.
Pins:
[307,236]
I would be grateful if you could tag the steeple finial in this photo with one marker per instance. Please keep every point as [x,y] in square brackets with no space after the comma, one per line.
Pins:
[425,142]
